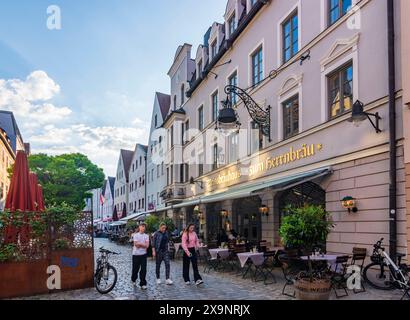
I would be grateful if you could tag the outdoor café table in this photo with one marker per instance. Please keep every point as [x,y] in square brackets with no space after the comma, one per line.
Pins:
[257,259]
[222,253]
[329,258]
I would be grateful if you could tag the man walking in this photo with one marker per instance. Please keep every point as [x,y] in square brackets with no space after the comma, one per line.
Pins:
[160,251]
[139,256]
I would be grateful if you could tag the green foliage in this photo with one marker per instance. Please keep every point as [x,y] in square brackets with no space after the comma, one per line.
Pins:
[66,178]
[305,227]
[62,244]
[9,252]
[170,224]
[132,225]
[152,223]
[63,214]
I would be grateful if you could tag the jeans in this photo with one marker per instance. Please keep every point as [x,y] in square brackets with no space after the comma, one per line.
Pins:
[162,255]
[186,261]
[139,265]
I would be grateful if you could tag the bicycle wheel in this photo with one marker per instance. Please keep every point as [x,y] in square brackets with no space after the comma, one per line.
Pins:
[105,281]
[377,275]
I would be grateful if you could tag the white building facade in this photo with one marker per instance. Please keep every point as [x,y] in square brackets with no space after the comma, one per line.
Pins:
[137,182]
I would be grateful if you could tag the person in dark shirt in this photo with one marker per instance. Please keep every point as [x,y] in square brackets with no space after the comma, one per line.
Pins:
[222,237]
[160,251]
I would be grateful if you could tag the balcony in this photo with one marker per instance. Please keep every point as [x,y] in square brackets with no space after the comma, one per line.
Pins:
[174,192]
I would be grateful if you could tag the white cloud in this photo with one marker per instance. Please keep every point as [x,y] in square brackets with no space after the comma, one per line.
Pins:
[50,128]
[29,100]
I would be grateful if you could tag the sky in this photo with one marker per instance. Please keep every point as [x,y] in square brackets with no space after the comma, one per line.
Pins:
[89,87]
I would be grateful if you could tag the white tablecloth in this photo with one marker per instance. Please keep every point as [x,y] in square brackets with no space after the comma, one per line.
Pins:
[330,258]
[223,253]
[257,258]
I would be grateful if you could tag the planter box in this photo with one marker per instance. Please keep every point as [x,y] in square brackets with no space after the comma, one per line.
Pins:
[20,279]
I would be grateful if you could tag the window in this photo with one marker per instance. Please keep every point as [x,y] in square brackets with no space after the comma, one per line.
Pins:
[200,165]
[181,173]
[215,157]
[186,172]
[183,133]
[290,36]
[233,81]
[175,102]
[257,66]
[168,177]
[340,90]
[337,9]
[256,138]
[201,118]
[214,49]
[182,94]
[233,147]
[187,138]
[171,136]
[232,24]
[158,171]
[156,121]
[162,168]
[214,99]
[291,117]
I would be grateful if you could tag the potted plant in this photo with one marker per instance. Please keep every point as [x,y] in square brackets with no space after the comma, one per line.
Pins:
[305,229]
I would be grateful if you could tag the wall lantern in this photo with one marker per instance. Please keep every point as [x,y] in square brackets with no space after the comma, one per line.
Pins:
[264,210]
[192,181]
[349,203]
[359,115]
[224,214]
[228,116]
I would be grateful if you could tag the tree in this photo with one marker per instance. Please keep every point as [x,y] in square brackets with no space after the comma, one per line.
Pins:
[66,178]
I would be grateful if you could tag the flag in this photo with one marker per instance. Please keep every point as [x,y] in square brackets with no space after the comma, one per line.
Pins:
[102,199]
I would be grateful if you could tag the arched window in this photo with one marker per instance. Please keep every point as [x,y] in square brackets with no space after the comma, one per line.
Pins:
[182,94]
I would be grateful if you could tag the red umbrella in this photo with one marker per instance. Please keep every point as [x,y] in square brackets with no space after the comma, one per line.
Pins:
[34,189]
[40,197]
[19,197]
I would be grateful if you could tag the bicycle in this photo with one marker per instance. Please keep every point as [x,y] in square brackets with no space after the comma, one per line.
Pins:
[384,274]
[105,277]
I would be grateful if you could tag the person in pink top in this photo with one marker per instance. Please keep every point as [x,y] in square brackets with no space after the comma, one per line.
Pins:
[190,244]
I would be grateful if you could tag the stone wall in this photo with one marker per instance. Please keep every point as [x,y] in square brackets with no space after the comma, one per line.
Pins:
[367,180]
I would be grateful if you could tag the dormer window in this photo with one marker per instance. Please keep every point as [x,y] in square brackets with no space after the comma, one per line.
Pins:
[199,68]
[214,49]
[182,94]
[232,24]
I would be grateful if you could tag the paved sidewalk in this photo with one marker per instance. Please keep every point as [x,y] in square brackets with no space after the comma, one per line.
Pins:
[217,286]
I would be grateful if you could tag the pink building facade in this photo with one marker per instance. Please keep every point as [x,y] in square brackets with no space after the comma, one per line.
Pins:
[306,63]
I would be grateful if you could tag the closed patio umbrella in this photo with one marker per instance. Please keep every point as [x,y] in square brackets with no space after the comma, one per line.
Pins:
[115,214]
[19,197]
[124,211]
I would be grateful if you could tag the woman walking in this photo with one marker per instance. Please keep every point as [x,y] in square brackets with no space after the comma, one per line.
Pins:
[190,244]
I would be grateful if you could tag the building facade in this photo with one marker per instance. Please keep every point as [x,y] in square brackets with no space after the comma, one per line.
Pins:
[108,199]
[156,178]
[121,188]
[304,64]
[7,160]
[137,182]
[9,125]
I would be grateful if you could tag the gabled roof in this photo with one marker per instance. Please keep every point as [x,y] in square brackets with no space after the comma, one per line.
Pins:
[164,101]
[9,125]
[126,156]
[111,182]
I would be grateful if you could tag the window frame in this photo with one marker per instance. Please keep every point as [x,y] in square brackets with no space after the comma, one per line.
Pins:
[290,20]
[294,131]
[201,120]
[339,72]
[341,13]
[259,53]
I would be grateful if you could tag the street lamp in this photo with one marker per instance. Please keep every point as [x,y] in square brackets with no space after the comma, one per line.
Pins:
[228,116]
[359,115]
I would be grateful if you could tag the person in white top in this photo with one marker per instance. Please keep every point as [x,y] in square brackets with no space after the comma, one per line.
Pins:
[139,256]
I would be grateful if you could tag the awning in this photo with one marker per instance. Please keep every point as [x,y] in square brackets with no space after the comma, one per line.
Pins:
[118,223]
[258,187]
[133,216]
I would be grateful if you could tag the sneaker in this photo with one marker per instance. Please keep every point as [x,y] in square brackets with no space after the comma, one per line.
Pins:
[158,281]
[169,282]
[199,282]
[188,283]
[144,287]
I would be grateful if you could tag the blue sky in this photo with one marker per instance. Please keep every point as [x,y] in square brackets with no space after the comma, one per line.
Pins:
[89,87]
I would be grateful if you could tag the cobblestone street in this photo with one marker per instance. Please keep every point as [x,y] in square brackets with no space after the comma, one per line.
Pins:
[217,286]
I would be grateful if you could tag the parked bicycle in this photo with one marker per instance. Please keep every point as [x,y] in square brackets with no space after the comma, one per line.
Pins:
[105,277]
[384,274]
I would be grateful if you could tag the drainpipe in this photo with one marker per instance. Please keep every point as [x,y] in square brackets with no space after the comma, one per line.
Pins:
[392,125]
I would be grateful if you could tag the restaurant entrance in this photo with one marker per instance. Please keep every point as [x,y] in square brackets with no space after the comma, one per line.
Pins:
[247,219]
[213,220]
